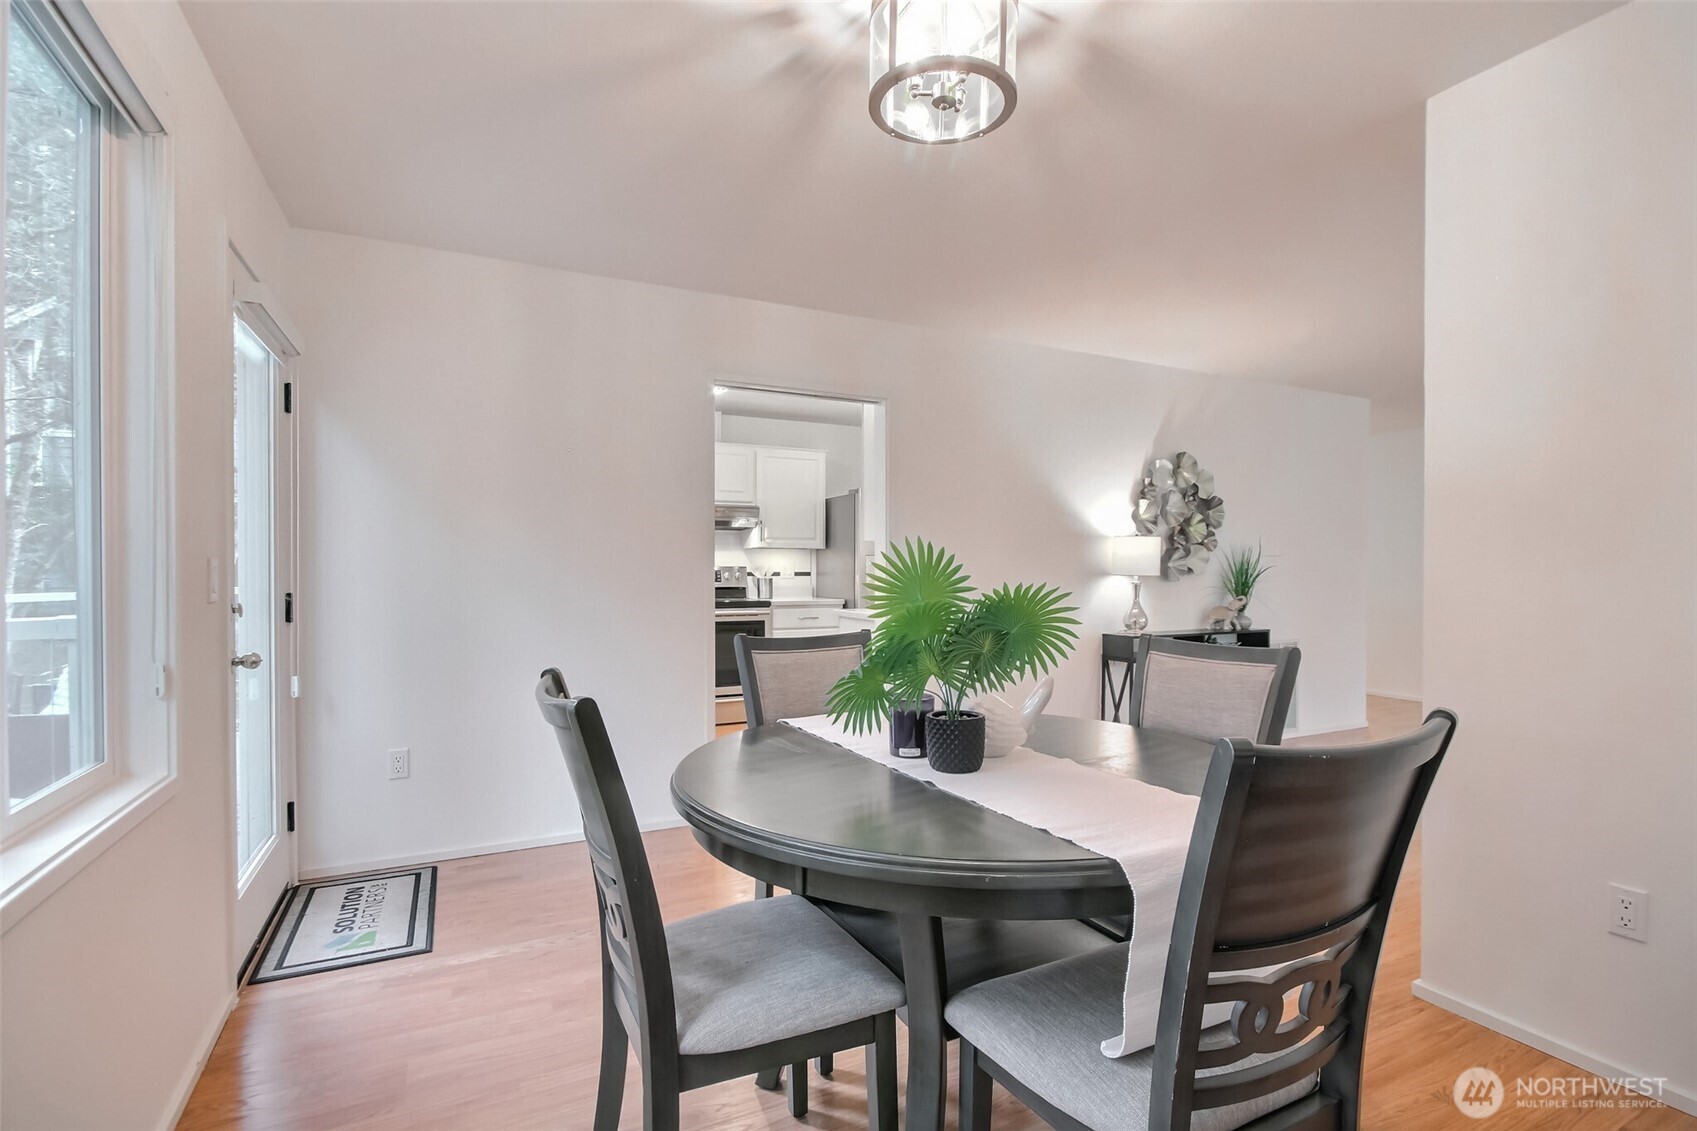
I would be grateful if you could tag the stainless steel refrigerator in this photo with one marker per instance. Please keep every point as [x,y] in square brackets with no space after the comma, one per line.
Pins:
[838,568]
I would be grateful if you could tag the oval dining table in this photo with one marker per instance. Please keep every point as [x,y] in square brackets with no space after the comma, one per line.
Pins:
[796,811]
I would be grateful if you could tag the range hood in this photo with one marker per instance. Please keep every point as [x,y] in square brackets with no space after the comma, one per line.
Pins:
[739,517]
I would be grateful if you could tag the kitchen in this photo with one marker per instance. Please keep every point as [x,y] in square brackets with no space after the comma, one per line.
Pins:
[798,511]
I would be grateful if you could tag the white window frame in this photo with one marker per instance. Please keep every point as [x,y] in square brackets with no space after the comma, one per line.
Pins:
[59,830]
[90,707]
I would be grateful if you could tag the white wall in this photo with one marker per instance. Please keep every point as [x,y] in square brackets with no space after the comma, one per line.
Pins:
[1395,533]
[1561,491]
[508,467]
[116,985]
[730,549]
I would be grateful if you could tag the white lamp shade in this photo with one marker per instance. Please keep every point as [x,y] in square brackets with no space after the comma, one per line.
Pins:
[1136,556]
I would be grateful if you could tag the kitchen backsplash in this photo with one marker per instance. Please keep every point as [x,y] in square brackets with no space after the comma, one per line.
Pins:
[728,550]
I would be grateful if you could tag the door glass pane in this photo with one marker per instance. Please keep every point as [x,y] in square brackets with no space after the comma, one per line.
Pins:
[253,602]
[52,660]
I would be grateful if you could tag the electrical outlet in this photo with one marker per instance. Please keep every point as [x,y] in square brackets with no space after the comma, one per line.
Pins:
[400,763]
[1629,912]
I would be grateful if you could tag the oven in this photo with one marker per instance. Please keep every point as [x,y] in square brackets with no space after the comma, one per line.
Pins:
[727,625]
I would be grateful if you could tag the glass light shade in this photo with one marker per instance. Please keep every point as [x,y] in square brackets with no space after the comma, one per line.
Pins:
[1136,556]
[942,70]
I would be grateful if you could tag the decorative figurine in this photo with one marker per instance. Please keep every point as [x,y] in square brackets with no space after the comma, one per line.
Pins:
[1007,726]
[1228,617]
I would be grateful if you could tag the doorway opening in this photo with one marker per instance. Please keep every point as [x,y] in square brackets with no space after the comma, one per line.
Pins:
[800,508]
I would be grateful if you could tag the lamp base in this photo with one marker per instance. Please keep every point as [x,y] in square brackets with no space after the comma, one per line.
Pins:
[1136,620]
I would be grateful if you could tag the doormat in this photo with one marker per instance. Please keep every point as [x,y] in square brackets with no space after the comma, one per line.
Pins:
[334,924]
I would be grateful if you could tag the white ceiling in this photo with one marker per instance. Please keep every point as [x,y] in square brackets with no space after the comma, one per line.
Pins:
[1226,187]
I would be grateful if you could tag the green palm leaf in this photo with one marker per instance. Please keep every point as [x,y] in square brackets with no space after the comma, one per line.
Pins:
[919,622]
[1033,626]
[861,700]
[914,575]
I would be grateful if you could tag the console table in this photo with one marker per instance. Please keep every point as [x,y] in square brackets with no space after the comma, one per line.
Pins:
[1121,648]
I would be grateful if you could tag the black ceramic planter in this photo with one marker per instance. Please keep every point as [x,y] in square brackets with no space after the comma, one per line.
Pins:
[954,746]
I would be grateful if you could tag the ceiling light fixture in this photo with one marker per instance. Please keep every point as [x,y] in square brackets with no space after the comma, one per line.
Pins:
[942,70]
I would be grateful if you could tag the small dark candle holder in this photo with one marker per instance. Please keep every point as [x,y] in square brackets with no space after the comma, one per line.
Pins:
[907,727]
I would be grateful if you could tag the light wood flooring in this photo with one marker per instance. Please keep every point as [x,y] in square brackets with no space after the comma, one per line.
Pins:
[499,1027]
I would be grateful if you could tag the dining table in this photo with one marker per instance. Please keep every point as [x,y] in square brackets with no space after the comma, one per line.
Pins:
[802,813]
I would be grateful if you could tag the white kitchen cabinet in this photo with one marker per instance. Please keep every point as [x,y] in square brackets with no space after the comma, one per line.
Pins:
[789,487]
[855,620]
[733,473]
[803,620]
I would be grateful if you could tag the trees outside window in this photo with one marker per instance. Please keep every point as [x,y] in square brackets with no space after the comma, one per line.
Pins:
[52,378]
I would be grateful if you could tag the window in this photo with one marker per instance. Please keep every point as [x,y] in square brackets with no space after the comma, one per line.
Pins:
[55,132]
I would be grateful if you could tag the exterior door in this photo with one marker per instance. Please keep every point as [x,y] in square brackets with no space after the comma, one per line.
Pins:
[261,700]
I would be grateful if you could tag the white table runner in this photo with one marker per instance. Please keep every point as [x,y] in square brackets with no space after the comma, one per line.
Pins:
[1144,827]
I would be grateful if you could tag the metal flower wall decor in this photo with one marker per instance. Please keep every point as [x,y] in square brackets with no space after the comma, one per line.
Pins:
[1177,501]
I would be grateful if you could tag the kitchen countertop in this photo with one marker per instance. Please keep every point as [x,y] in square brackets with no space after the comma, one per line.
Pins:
[807,602]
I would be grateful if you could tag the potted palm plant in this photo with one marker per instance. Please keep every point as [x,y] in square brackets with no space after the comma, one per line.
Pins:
[934,630]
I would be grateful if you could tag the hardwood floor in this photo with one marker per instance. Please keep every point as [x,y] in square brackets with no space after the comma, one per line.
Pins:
[499,1027]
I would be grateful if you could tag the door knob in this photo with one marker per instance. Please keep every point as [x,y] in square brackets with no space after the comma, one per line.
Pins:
[248,660]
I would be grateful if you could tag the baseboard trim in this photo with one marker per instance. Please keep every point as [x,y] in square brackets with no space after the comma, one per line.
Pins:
[1395,695]
[1674,1097]
[186,1086]
[436,856]
[1328,728]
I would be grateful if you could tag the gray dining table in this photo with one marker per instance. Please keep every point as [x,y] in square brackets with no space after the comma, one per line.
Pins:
[794,810]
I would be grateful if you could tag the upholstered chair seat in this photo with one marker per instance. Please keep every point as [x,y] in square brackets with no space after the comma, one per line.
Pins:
[753,973]
[1046,1027]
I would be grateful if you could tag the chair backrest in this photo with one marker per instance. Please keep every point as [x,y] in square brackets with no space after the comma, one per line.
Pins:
[1213,690]
[633,936]
[1293,863]
[790,677]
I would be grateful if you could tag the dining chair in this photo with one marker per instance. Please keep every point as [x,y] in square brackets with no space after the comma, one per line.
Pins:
[1208,691]
[718,995]
[790,677]
[1292,866]
[1213,690]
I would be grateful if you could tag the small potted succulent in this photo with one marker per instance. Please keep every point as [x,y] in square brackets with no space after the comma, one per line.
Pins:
[934,630]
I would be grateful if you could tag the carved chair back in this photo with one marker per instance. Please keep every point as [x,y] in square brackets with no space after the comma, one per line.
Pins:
[633,936]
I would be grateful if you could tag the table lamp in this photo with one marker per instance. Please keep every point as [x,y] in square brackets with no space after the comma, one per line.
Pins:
[1136,556]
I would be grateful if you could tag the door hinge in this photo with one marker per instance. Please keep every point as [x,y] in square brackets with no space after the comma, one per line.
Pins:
[288,396]
[288,608]
[291,813]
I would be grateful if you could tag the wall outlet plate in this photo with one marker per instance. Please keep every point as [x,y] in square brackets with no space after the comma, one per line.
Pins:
[1629,912]
[400,763]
